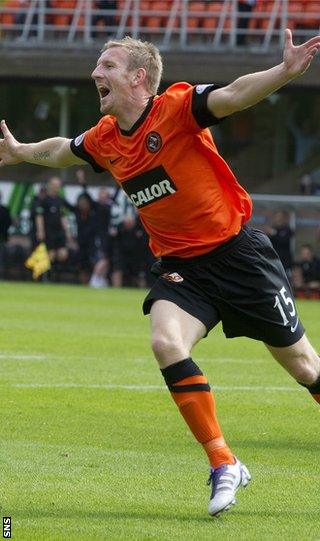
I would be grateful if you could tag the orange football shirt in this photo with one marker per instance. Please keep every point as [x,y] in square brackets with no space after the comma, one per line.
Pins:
[188,199]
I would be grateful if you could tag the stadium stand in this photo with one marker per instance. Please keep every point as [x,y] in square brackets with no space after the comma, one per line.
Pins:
[174,21]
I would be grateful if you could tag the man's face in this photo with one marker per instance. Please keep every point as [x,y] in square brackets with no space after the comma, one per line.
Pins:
[113,80]
[103,197]
[306,254]
[280,219]
[54,186]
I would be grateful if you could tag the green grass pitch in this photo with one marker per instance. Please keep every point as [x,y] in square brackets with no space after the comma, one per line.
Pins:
[92,446]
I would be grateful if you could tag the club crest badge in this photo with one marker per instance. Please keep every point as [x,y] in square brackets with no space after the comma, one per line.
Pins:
[172,277]
[153,141]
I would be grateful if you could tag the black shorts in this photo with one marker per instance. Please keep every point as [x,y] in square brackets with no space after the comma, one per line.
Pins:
[242,284]
[55,240]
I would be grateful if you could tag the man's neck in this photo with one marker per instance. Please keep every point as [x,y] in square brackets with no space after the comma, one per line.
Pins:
[127,119]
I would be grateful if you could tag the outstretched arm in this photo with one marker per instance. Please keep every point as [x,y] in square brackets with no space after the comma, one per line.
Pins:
[254,87]
[53,152]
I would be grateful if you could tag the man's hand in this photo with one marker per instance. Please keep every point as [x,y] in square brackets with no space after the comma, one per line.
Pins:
[53,152]
[298,59]
[254,87]
[9,147]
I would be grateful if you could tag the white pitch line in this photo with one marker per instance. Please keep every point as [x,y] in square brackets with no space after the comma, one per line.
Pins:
[56,357]
[21,357]
[143,388]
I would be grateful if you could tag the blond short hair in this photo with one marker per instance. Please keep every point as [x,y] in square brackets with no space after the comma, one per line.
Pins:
[142,54]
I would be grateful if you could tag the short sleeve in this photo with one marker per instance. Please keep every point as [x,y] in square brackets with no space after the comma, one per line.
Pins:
[200,109]
[87,147]
[187,104]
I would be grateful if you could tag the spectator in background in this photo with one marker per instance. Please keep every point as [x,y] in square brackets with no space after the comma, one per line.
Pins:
[36,201]
[297,282]
[245,7]
[5,223]
[22,13]
[100,250]
[86,218]
[121,207]
[306,185]
[102,20]
[51,224]
[132,253]
[280,234]
[309,265]
[103,210]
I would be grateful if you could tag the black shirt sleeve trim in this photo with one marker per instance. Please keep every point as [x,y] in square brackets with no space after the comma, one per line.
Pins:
[200,108]
[79,150]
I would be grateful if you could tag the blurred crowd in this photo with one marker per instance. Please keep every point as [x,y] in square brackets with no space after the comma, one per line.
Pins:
[98,242]
[17,12]
[303,268]
[252,15]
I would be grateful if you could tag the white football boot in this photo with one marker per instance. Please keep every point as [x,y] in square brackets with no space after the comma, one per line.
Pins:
[225,482]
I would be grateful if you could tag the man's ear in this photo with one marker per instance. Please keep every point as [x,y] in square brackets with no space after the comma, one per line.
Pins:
[139,77]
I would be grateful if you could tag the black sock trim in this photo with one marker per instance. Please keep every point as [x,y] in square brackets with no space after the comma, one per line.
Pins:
[189,388]
[180,370]
[314,388]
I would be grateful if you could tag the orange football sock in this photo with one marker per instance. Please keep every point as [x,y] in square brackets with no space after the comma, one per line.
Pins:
[191,392]
[314,390]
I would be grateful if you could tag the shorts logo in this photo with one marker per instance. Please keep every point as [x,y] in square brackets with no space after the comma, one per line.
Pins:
[293,327]
[153,141]
[78,140]
[149,187]
[172,277]
[201,88]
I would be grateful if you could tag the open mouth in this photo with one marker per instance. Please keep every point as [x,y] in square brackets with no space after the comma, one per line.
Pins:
[103,91]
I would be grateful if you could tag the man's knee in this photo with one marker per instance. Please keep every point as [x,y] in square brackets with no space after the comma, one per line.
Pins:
[306,371]
[166,348]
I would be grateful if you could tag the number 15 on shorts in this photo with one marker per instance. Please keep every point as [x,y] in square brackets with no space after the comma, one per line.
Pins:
[285,303]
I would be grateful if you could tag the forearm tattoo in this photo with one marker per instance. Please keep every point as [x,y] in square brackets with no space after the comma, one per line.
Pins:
[44,155]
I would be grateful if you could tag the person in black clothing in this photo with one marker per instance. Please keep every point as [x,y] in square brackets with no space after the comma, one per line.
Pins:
[132,252]
[104,19]
[36,201]
[103,207]
[99,211]
[280,234]
[245,8]
[310,267]
[87,234]
[102,265]
[5,223]
[51,224]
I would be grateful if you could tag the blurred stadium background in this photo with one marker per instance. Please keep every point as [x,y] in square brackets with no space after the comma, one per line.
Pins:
[48,50]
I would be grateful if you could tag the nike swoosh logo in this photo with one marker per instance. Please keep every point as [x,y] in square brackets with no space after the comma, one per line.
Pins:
[293,328]
[115,160]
